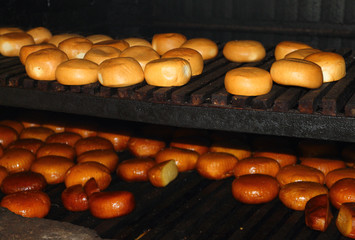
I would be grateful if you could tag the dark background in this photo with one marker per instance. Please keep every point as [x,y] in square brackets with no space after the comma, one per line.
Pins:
[321,23]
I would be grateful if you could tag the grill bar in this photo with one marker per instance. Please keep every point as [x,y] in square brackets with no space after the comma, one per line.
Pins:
[339,94]
[350,107]
[310,102]
[288,99]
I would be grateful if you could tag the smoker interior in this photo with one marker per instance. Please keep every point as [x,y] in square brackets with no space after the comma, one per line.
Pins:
[192,207]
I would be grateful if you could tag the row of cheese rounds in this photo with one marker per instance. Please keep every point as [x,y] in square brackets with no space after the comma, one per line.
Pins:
[48,151]
[263,175]
[71,59]
[33,156]
[297,64]
[310,185]
[277,168]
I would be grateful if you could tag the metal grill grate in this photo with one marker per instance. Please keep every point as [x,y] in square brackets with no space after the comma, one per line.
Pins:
[208,89]
[202,103]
